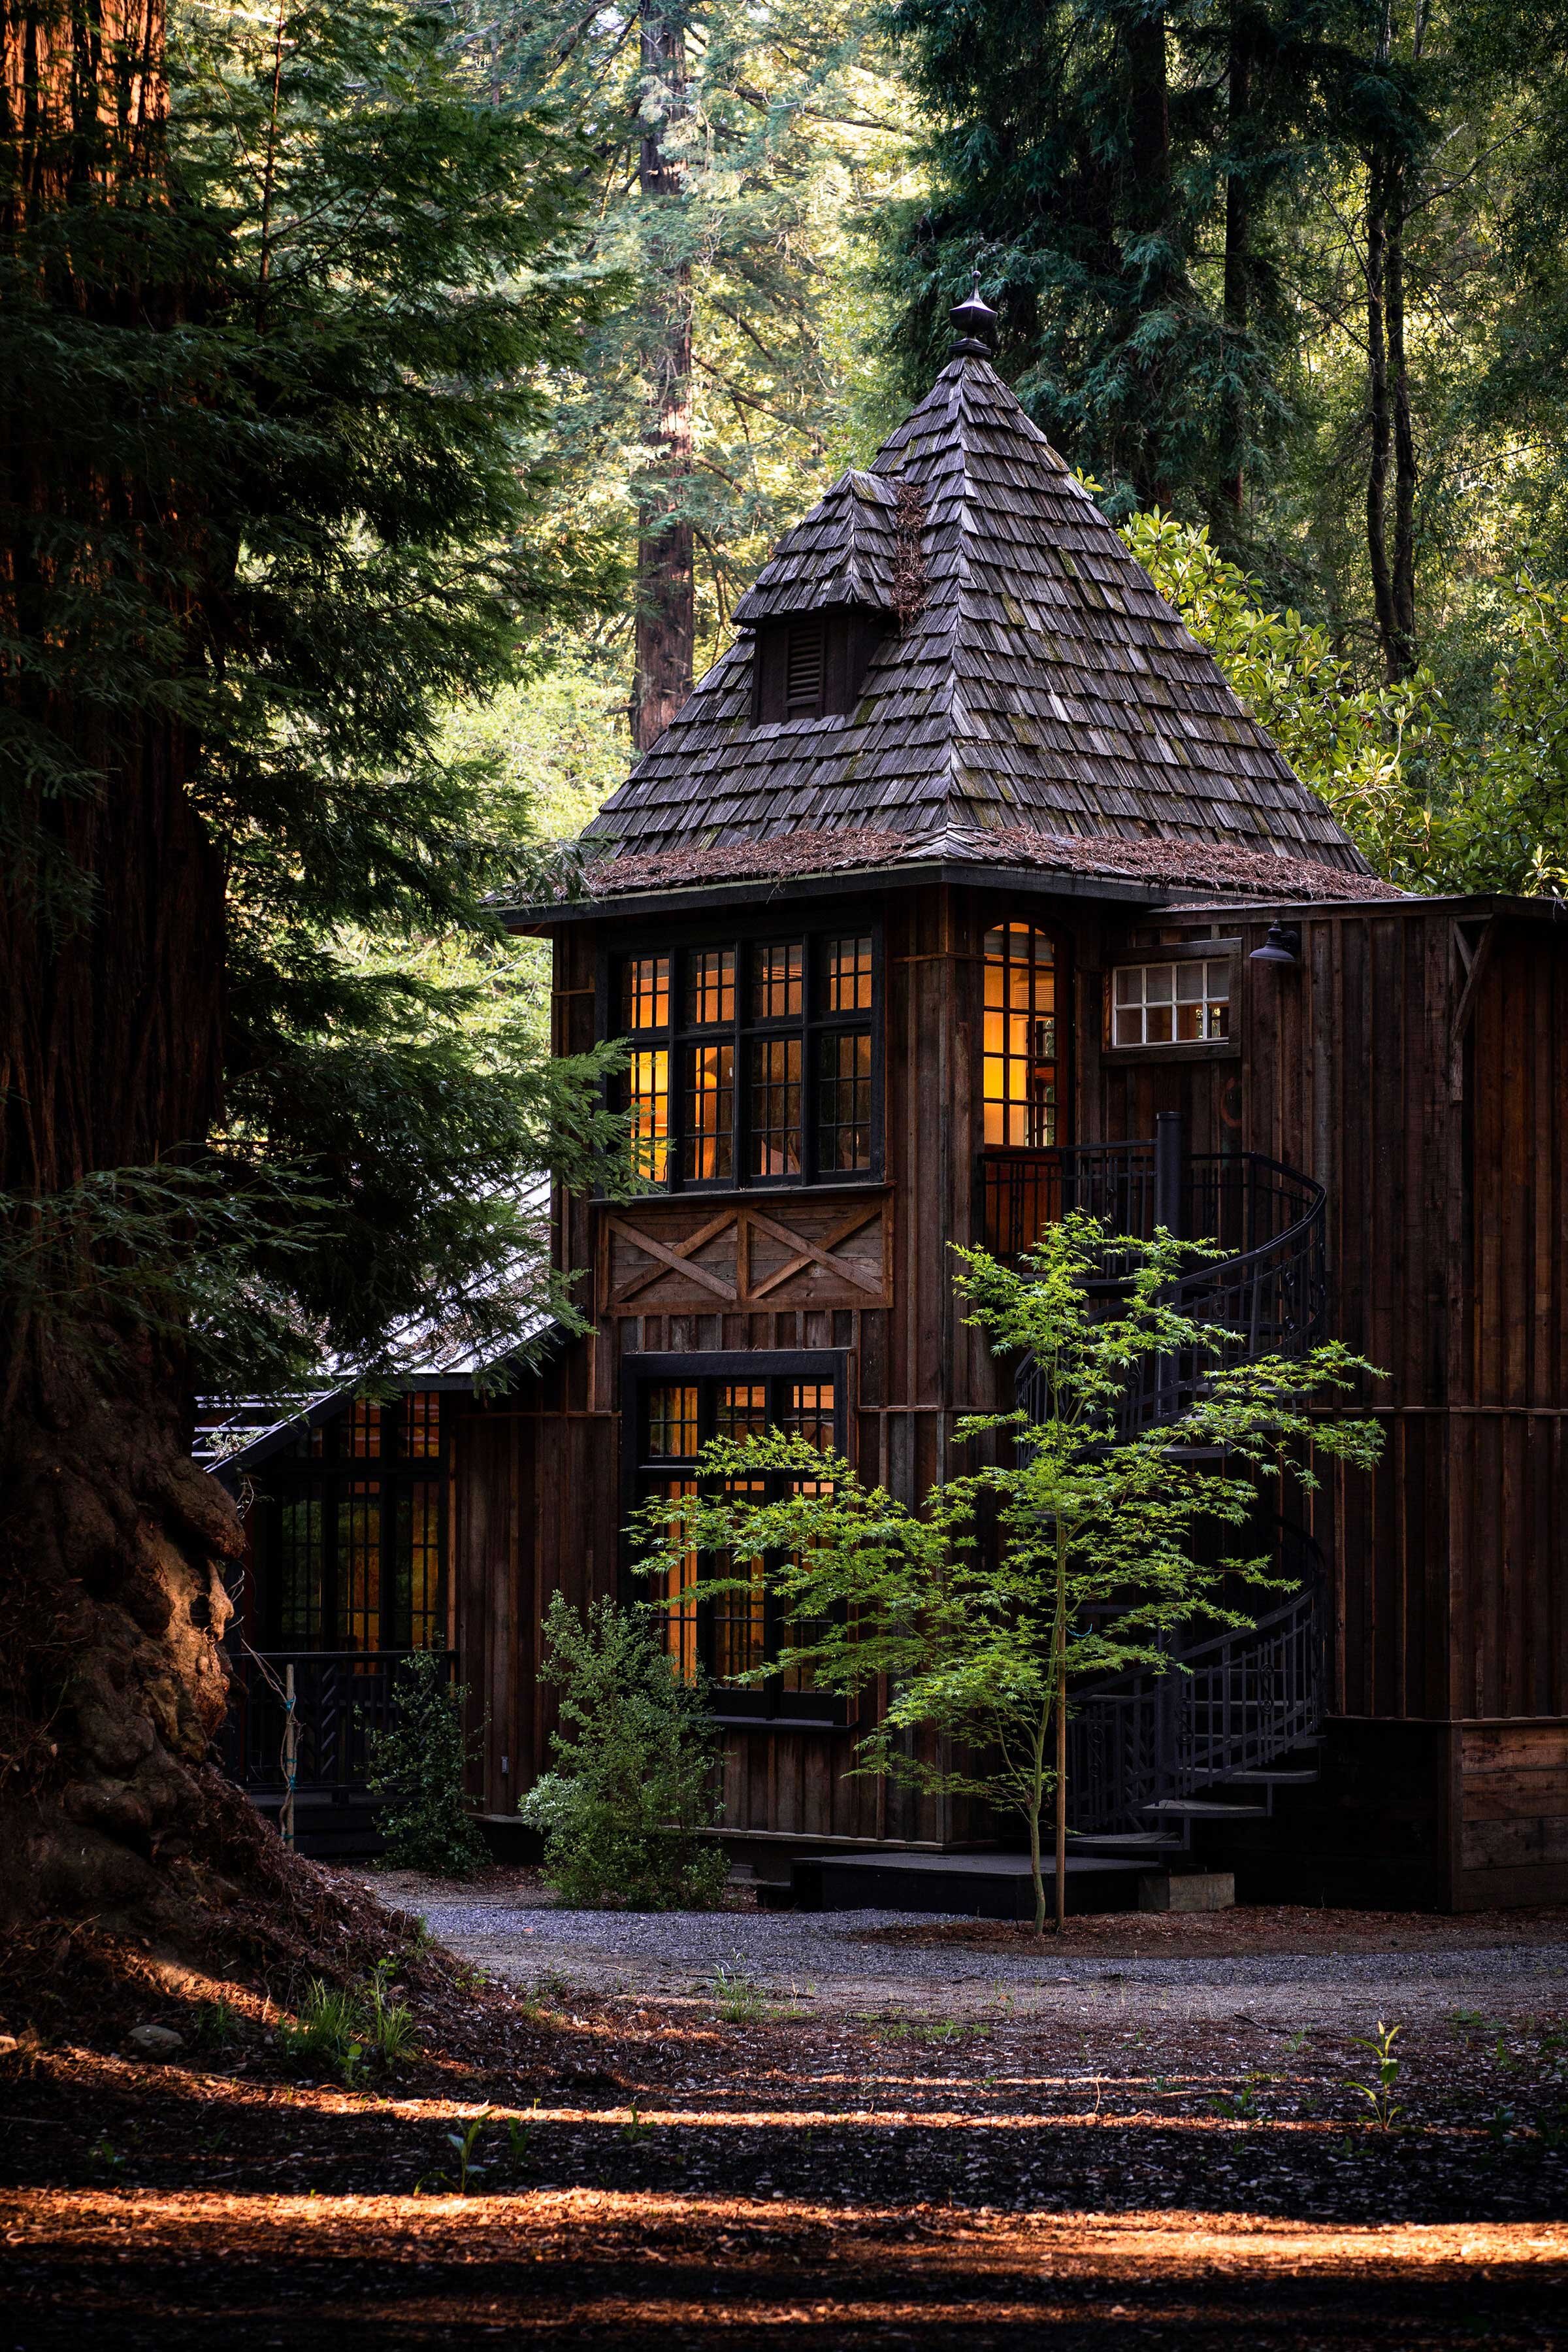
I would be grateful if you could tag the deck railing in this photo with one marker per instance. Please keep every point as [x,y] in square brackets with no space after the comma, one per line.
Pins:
[1235,1702]
[1266,1294]
[340,1697]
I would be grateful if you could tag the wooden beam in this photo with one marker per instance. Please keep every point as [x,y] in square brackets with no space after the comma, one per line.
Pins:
[1475,965]
[679,1260]
[809,1251]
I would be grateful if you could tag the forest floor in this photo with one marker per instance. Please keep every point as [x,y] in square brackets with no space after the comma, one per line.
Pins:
[761,2156]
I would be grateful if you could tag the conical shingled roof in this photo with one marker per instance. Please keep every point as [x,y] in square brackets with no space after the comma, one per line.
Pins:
[1042,687]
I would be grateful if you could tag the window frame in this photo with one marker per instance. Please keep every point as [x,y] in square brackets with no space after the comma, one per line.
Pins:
[762,1706]
[299,1473]
[1187,1049]
[813,1022]
[1062,994]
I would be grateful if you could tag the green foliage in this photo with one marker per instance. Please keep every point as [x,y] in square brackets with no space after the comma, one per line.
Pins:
[316,365]
[1171,208]
[418,1767]
[634,1769]
[737,1997]
[1363,748]
[1433,804]
[1080,153]
[347,2027]
[1094,1567]
[1379,2095]
[778,133]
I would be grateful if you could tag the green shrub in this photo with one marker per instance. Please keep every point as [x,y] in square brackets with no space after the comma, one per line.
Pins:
[635,1773]
[418,1767]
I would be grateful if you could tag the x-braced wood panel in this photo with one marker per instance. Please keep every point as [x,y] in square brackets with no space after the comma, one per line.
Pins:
[826,1252]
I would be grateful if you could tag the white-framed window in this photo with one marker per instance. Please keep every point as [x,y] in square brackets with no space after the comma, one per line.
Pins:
[1177,1003]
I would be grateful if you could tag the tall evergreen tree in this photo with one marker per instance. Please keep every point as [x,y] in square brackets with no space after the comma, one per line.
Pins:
[1090,158]
[733,146]
[268,357]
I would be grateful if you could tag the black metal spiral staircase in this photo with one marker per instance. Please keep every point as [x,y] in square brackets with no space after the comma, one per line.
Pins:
[1157,1760]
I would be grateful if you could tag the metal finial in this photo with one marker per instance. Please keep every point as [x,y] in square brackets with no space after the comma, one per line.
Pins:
[974,324]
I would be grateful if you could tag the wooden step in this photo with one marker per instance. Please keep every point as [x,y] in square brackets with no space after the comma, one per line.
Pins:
[1150,1849]
[1204,1808]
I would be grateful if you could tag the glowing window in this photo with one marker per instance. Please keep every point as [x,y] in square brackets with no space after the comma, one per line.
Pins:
[648,1108]
[707,1135]
[1019,1050]
[849,975]
[776,1106]
[647,993]
[710,987]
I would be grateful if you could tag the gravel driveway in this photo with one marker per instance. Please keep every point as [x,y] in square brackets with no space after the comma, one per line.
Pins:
[826,1961]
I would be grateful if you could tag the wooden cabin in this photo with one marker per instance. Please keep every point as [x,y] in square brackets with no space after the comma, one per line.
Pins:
[963,888]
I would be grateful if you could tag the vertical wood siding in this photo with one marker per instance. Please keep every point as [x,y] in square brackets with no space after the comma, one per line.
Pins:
[1447,1235]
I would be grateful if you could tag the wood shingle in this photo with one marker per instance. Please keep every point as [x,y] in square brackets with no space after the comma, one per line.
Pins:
[1034,683]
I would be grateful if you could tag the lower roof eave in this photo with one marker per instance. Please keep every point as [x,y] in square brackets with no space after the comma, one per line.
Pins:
[1050,882]
[1459,906]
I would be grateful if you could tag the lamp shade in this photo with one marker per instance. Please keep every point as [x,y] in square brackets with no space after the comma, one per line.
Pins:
[1283,945]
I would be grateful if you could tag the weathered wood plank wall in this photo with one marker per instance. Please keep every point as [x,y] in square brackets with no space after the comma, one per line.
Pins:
[1444,1159]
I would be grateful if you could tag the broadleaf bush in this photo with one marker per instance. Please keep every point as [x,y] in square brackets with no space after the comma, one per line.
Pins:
[634,1782]
[418,1768]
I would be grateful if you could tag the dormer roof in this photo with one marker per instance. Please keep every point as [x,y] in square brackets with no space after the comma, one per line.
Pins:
[1031,681]
[842,553]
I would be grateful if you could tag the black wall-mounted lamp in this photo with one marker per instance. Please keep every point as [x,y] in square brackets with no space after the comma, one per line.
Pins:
[1283,945]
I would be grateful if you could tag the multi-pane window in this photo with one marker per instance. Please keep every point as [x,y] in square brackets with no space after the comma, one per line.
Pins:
[776,1132]
[844,1101]
[1019,1073]
[753,1062]
[1185,1003]
[739,1630]
[354,1532]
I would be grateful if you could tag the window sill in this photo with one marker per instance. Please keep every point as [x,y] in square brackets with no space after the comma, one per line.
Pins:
[721,1722]
[1222,1049]
[777,1190]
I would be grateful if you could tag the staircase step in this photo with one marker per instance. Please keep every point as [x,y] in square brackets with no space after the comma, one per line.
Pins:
[1135,1843]
[1200,1809]
[1265,1779]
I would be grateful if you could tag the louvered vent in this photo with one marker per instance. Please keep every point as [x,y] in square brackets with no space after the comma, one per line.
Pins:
[804,668]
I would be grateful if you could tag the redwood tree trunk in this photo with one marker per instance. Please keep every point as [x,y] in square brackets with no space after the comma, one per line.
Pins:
[1149,141]
[1238,254]
[1380,413]
[666,588]
[112,1542]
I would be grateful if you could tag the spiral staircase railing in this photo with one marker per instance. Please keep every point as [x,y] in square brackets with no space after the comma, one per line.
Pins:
[1243,1698]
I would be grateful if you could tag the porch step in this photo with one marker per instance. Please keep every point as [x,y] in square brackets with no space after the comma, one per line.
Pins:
[1124,1845]
[964,1886]
[1205,1808]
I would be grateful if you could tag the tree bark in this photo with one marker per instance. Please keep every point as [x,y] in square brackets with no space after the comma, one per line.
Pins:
[1403,564]
[1379,410]
[112,1543]
[666,585]
[1388,414]
[1149,210]
[1238,252]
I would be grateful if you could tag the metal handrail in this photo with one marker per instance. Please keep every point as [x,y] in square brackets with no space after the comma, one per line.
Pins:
[1269,1297]
[1234,1703]
[1245,1697]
